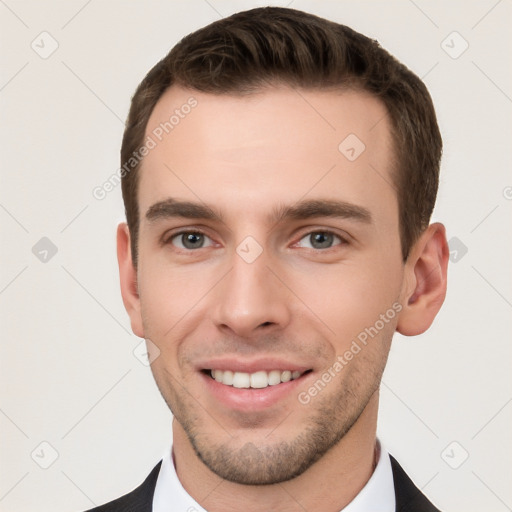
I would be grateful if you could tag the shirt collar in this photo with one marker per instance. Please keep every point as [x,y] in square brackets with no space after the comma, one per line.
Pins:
[378,495]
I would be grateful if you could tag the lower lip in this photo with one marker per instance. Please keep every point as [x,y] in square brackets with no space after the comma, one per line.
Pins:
[250,399]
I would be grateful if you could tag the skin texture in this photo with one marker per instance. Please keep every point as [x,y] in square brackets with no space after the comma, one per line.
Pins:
[247,158]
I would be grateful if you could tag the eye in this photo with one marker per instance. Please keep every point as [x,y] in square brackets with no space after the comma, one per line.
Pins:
[320,240]
[190,240]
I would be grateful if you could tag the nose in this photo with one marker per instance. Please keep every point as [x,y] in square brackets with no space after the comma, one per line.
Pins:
[250,300]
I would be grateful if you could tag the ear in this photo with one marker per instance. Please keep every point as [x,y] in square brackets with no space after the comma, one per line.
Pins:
[128,278]
[424,287]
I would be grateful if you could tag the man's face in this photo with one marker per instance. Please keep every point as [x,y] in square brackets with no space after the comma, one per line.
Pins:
[266,248]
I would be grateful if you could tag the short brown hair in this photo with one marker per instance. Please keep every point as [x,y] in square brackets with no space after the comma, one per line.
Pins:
[255,49]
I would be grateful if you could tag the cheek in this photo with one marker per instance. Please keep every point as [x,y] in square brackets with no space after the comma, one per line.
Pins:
[169,296]
[347,299]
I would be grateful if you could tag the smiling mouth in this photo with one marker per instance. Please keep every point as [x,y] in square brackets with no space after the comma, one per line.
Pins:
[256,380]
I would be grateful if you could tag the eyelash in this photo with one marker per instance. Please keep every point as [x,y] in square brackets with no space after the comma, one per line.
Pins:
[343,240]
[166,240]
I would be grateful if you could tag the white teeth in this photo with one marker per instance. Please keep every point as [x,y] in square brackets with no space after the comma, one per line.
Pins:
[274,377]
[257,380]
[286,376]
[227,377]
[241,380]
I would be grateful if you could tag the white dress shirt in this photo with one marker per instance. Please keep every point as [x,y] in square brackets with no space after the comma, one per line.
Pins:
[378,495]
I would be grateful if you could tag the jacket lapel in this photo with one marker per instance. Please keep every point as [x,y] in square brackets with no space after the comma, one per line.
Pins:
[139,500]
[408,497]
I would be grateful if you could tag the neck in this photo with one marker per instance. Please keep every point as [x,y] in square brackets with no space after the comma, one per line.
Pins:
[327,486]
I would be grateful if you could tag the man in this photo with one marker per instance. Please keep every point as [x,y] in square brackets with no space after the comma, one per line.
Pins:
[279,173]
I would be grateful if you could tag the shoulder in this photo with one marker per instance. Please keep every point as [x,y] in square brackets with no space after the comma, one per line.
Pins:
[408,497]
[139,500]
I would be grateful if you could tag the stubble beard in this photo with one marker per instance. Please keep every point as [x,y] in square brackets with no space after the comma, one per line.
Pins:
[271,463]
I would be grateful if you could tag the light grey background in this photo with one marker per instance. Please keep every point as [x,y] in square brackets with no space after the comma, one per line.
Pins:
[69,377]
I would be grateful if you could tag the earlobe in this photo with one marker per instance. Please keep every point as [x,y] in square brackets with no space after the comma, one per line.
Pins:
[128,279]
[425,281]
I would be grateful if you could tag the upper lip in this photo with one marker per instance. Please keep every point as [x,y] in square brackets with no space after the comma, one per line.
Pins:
[252,366]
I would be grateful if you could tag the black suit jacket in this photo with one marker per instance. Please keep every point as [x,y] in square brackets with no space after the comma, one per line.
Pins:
[408,497]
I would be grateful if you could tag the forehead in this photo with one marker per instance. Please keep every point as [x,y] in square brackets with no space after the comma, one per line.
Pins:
[274,146]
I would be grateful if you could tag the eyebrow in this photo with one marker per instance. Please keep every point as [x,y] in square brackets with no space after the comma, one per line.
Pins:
[302,210]
[322,208]
[173,208]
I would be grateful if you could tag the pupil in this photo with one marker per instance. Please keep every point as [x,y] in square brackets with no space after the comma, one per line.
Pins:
[321,240]
[192,240]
